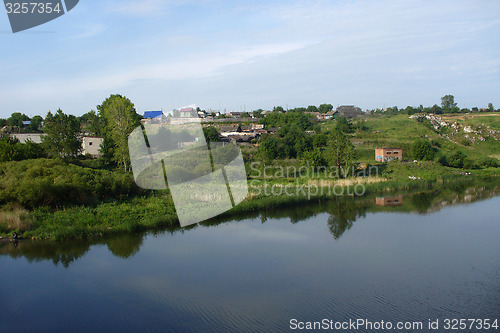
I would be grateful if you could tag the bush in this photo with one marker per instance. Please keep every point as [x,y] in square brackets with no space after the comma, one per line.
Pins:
[457,159]
[469,163]
[422,150]
[53,183]
[13,150]
[488,162]
[443,160]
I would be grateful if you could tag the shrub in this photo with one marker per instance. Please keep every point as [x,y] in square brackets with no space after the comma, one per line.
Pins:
[488,162]
[443,160]
[469,163]
[422,150]
[53,183]
[457,159]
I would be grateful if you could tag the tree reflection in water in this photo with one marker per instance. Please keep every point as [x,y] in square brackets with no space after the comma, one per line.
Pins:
[342,213]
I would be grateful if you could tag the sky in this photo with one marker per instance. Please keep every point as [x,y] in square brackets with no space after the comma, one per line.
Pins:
[244,55]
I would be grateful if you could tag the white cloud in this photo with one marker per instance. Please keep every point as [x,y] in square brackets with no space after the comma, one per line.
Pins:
[362,52]
[140,8]
[89,30]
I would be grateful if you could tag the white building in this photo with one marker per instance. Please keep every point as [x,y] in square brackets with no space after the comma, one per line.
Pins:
[92,145]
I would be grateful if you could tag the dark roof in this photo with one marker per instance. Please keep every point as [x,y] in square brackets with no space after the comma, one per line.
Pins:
[153,114]
[240,138]
[230,128]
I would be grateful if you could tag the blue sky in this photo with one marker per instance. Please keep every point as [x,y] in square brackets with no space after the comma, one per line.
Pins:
[254,54]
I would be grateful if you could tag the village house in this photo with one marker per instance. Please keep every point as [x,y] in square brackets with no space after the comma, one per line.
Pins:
[257,126]
[328,115]
[188,112]
[153,117]
[25,137]
[91,145]
[234,114]
[202,114]
[226,130]
[388,154]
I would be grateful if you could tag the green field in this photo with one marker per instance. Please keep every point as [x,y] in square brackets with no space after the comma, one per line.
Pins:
[401,131]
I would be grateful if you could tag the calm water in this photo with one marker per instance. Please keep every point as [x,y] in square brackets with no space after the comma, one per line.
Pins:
[338,260]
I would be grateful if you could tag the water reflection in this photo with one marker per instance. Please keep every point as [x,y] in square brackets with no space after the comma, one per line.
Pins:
[342,214]
[389,201]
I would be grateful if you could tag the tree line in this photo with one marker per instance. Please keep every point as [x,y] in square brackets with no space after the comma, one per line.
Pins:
[448,105]
[114,120]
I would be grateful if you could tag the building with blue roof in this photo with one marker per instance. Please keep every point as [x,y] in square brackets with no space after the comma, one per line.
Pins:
[152,114]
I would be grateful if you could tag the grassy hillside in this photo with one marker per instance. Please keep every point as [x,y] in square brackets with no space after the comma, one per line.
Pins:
[401,131]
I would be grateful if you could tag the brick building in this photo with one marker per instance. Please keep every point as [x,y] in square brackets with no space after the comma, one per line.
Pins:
[388,154]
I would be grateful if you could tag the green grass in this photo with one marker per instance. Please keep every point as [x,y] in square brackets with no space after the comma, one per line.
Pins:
[401,131]
[105,202]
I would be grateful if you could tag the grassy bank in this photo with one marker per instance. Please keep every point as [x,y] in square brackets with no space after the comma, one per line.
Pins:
[54,199]
[156,210]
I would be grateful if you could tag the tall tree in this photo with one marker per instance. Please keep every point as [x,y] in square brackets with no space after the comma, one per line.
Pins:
[120,119]
[63,135]
[92,123]
[16,119]
[448,102]
[36,122]
[344,125]
[340,152]
[312,108]
[324,108]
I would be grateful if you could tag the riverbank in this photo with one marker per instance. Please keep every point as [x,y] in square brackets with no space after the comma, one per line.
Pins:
[156,210]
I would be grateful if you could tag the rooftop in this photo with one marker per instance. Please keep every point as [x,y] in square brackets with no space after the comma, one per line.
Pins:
[153,114]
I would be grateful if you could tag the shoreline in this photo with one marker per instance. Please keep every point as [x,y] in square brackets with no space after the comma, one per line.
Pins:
[156,211]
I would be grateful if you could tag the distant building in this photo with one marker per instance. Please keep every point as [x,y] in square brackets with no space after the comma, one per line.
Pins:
[226,130]
[235,114]
[188,113]
[152,114]
[388,154]
[328,115]
[91,145]
[153,117]
[33,137]
[349,111]
[389,201]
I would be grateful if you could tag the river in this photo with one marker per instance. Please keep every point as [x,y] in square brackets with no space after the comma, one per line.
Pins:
[428,256]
